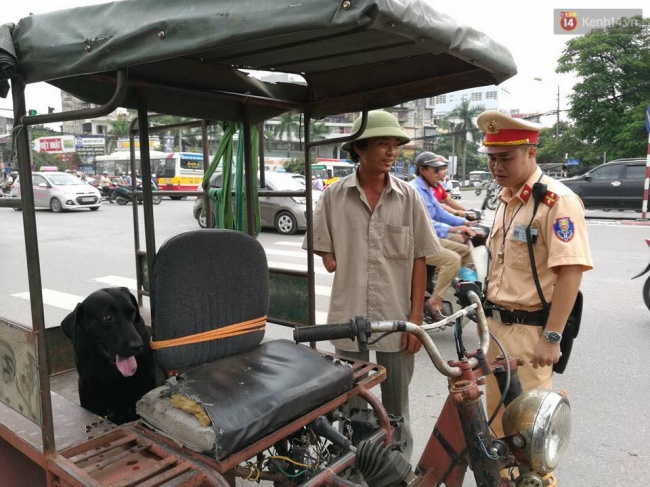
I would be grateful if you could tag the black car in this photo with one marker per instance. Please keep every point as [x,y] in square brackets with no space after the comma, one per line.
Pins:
[616,185]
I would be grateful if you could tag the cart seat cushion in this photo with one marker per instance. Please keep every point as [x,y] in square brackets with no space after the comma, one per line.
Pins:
[246,396]
[204,280]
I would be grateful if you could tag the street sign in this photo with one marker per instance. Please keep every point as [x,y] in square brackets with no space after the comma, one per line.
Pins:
[573,162]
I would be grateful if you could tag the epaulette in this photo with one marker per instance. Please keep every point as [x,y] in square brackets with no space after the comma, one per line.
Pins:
[549,199]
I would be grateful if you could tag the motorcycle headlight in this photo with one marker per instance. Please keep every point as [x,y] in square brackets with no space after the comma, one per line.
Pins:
[540,419]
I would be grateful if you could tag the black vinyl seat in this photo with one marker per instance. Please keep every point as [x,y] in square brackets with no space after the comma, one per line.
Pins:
[209,279]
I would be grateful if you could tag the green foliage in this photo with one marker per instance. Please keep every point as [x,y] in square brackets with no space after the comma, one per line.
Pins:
[120,127]
[295,165]
[464,130]
[609,102]
[46,159]
[288,126]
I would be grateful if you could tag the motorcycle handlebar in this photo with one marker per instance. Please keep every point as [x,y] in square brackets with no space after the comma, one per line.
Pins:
[354,327]
[333,331]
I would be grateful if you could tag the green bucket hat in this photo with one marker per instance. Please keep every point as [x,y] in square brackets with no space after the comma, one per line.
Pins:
[380,124]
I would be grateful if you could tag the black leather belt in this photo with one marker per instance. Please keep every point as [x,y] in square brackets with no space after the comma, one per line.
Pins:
[507,317]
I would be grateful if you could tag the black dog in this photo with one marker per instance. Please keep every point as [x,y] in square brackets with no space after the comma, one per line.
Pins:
[112,354]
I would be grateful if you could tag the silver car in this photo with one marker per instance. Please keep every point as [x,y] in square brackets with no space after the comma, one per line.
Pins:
[61,191]
[284,213]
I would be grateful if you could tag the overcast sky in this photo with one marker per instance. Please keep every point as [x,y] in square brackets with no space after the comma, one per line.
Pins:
[526,28]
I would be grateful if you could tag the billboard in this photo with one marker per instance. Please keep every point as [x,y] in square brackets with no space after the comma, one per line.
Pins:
[57,144]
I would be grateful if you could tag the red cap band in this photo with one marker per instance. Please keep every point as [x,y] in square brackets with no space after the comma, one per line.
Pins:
[511,137]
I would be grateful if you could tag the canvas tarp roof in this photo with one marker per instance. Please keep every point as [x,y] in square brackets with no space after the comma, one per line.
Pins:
[184,56]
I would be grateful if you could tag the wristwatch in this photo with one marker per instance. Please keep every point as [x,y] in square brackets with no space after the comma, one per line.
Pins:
[552,336]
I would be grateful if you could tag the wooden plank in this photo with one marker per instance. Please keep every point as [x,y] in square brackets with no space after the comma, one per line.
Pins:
[18,369]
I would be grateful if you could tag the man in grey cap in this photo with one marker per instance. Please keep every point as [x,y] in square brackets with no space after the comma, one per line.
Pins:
[452,230]
[373,231]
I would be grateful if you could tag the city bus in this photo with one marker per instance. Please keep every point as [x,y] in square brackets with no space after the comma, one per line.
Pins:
[331,170]
[172,171]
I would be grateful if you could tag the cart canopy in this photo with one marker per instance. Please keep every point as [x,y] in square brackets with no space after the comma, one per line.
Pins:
[186,58]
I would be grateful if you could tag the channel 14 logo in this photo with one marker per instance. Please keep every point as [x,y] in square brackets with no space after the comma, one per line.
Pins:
[583,21]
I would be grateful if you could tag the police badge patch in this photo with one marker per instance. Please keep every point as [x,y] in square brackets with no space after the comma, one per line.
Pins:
[563,228]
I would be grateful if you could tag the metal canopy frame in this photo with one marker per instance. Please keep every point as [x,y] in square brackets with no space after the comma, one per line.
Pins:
[353,56]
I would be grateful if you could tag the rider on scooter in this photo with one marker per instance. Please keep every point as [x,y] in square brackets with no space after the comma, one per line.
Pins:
[105,185]
[438,188]
[453,231]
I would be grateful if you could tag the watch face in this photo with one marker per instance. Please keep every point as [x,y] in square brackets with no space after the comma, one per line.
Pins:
[552,336]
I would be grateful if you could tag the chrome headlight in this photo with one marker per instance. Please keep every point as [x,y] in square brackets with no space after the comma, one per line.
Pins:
[541,421]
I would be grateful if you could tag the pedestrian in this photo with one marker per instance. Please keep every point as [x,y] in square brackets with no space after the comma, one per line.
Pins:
[373,232]
[529,297]
[317,183]
[446,184]
[452,231]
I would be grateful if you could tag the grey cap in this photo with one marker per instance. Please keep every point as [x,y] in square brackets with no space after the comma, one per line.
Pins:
[429,159]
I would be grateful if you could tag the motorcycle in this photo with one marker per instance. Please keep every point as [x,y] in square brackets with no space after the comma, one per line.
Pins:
[536,422]
[646,286]
[478,188]
[123,194]
[106,193]
[491,200]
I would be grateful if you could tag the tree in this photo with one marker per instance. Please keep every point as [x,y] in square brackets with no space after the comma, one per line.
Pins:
[608,103]
[318,131]
[296,165]
[289,124]
[464,129]
[120,126]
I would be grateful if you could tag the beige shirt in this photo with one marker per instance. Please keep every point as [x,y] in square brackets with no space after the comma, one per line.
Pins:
[374,252]
[561,240]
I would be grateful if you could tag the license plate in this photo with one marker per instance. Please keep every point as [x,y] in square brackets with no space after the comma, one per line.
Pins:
[87,199]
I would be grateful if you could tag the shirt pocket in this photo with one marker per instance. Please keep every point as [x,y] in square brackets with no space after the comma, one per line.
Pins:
[517,255]
[396,242]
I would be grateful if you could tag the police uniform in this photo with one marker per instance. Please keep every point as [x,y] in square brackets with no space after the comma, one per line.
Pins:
[559,235]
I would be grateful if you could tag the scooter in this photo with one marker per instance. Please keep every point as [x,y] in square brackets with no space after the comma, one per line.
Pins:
[123,194]
[646,286]
[536,422]
[480,258]
[491,200]
[106,193]
[478,188]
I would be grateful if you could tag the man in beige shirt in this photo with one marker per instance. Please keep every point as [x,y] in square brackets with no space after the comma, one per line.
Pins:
[517,314]
[373,231]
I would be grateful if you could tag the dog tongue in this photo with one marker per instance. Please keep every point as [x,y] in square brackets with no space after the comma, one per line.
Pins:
[126,365]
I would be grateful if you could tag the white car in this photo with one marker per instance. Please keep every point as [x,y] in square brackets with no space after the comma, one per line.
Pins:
[60,191]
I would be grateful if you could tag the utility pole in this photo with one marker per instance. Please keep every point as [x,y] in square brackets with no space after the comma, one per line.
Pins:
[557,123]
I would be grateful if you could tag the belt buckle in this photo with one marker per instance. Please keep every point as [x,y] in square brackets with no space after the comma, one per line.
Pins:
[496,314]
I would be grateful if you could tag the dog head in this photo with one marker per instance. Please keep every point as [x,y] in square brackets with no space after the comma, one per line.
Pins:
[108,322]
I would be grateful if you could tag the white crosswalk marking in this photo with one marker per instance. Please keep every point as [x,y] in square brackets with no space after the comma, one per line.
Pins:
[289,244]
[118,281]
[323,290]
[55,298]
[297,267]
[287,253]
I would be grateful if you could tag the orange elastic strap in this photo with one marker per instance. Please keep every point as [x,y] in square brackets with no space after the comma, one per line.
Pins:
[256,324]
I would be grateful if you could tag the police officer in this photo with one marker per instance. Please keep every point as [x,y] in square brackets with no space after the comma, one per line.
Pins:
[536,207]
